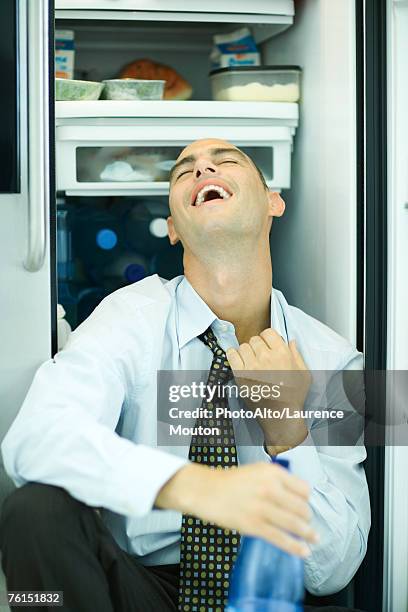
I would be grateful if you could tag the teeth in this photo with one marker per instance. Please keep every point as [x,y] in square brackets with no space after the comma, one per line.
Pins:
[201,194]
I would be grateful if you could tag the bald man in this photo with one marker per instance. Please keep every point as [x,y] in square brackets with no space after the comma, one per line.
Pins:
[168,522]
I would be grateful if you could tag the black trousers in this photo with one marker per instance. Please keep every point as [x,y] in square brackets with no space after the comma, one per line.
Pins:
[52,542]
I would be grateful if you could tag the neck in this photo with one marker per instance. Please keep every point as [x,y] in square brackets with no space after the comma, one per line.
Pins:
[238,291]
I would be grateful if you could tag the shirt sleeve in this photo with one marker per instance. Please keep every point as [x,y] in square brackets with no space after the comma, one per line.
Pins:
[340,507]
[64,434]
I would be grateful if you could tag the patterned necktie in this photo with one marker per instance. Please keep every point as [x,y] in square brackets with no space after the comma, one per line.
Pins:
[208,552]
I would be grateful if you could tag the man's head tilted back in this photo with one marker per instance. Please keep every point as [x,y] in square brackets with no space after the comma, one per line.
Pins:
[218,199]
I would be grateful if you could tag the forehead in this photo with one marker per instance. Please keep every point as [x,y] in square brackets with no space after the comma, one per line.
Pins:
[201,147]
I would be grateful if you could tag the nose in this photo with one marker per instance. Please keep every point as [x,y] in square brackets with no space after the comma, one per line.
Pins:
[204,166]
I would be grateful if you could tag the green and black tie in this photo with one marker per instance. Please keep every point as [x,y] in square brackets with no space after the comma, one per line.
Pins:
[208,552]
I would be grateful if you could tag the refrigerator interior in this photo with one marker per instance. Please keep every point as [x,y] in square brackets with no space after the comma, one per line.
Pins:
[107,238]
[322,199]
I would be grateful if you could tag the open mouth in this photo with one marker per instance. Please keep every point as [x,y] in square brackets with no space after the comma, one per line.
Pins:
[209,193]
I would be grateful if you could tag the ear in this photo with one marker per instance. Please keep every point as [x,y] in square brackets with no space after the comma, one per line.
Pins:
[276,205]
[171,231]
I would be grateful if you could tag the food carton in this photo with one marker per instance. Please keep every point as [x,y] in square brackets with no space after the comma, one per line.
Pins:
[64,54]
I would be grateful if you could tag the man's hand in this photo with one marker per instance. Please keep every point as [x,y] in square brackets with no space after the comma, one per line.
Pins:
[267,359]
[261,499]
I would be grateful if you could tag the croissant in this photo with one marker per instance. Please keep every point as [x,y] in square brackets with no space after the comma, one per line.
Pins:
[176,87]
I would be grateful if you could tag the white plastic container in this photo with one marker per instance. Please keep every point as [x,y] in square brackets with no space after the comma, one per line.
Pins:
[74,90]
[256,84]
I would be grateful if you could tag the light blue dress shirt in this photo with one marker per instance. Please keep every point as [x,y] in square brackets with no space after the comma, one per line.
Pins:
[89,424]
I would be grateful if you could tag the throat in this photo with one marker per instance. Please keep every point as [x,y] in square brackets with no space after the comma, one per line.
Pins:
[244,332]
[234,280]
[249,312]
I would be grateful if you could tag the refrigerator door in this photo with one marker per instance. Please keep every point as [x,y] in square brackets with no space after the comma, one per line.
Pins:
[25,287]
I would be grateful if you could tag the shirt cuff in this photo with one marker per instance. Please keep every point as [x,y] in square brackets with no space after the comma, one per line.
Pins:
[143,473]
[304,461]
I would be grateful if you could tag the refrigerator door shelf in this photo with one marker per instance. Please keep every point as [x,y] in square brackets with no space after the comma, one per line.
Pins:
[136,159]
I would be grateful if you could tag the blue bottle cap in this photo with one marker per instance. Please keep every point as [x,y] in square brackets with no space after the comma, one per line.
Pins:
[134,272]
[106,239]
[283,462]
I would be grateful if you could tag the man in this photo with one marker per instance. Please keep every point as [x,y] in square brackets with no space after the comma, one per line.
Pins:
[86,436]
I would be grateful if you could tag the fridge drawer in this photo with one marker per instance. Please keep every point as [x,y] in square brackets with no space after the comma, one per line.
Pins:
[137,160]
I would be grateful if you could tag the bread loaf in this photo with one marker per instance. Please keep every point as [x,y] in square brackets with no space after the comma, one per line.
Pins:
[176,87]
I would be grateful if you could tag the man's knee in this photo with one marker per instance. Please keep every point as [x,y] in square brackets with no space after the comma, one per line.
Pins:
[32,509]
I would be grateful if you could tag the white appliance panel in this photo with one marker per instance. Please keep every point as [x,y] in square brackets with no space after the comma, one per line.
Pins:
[396,458]
[25,322]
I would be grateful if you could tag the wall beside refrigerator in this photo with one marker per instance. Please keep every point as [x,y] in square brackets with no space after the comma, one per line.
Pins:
[396,457]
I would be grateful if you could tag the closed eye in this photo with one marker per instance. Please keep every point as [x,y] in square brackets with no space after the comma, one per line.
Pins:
[228,161]
[182,174]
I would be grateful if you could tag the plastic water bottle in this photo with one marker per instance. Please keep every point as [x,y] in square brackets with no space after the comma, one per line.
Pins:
[145,233]
[265,578]
[127,268]
[97,237]
[65,264]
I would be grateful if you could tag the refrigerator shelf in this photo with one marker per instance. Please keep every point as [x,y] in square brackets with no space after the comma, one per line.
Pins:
[268,7]
[282,113]
[267,18]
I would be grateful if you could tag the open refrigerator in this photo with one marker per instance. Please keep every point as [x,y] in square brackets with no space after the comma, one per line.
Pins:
[65,220]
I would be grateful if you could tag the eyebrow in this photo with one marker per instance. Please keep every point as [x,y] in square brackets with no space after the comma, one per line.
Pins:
[213,152]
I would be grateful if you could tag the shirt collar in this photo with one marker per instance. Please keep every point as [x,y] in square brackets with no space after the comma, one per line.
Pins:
[195,316]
